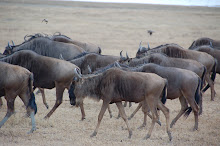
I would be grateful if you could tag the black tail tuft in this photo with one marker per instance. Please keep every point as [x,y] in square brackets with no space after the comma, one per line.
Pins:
[72,95]
[164,96]
[212,76]
[197,99]
[32,102]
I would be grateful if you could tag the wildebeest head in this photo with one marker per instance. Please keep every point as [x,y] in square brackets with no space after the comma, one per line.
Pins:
[124,60]
[141,50]
[8,49]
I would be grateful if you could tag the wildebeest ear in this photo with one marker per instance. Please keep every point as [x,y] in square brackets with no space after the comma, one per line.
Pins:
[61,57]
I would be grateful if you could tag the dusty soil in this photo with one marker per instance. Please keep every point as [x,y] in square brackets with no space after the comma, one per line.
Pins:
[114,27]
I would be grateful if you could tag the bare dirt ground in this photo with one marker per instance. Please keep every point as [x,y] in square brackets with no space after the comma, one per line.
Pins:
[114,27]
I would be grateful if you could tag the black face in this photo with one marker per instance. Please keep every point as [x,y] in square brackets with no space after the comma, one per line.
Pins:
[7,51]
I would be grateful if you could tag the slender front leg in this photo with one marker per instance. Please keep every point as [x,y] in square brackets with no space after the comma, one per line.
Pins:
[10,111]
[43,97]
[123,115]
[109,111]
[82,111]
[136,110]
[59,99]
[32,122]
[103,109]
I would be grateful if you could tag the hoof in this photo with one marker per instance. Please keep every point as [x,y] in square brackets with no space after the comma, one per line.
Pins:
[83,118]
[111,116]
[47,106]
[169,134]
[142,126]
[46,117]
[93,134]
[32,130]
[195,128]
[146,137]
[130,134]
[158,122]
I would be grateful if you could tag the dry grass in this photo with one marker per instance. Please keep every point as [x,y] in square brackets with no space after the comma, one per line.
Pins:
[114,27]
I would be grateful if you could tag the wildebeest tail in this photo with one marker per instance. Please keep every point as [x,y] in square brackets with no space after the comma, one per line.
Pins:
[212,76]
[164,94]
[203,78]
[197,99]
[31,102]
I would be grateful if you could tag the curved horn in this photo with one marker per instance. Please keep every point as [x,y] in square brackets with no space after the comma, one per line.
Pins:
[140,47]
[127,55]
[121,54]
[89,69]
[13,42]
[78,73]
[9,46]
[25,37]
[148,46]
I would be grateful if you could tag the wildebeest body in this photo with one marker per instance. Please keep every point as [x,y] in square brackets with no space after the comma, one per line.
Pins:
[17,81]
[48,72]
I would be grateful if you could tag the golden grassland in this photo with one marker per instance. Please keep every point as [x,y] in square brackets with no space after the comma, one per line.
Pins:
[114,27]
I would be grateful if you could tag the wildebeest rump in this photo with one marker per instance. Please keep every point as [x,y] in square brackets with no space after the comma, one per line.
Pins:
[48,72]
[45,46]
[174,50]
[115,86]
[214,52]
[88,47]
[17,81]
[205,41]
[182,84]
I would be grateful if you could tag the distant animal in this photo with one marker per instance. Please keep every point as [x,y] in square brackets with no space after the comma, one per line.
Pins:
[48,72]
[45,20]
[150,32]
[174,50]
[17,81]
[205,41]
[43,45]
[115,86]
[88,47]
[214,52]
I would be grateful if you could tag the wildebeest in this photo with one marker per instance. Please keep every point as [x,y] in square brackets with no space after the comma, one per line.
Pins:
[174,50]
[43,45]
[205,41]
[88,47]
[48,72]
[214,52]
[17,81]
[94,61]
[115,86]
[182,84]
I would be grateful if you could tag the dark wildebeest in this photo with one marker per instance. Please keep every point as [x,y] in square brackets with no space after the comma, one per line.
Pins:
[182,84]
[43,45]
[94,61]
[205,41]
[48,72]
[88,47]
[174,50]
[214,52]
[17,81]
[115,86]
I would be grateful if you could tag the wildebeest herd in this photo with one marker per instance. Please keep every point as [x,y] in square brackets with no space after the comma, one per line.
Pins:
[154,75]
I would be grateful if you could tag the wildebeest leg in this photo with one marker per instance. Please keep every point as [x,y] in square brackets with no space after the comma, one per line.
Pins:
[211,84]
[59,98]
[136,110]
[43,97]
[109,111]
[165,111]
[10,111]
[195,109]
[130,104]
[24,97]
[1,102]
[152,107]
[123,115]
[103,109]
[184,107]
[125,104]
[82,111]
